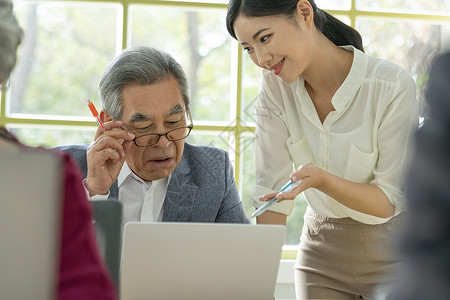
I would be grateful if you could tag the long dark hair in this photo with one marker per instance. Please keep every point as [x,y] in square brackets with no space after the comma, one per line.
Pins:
[336,31]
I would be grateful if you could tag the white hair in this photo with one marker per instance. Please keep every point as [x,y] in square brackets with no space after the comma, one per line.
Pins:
[138,66]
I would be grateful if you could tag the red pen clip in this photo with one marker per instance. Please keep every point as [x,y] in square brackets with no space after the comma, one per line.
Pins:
[95,113]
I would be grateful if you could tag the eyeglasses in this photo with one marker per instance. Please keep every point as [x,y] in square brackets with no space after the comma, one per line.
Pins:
[172,135]
[176,134]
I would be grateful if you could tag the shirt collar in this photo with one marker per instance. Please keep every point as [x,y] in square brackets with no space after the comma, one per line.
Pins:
[348,89]
[353,81]
[126,172]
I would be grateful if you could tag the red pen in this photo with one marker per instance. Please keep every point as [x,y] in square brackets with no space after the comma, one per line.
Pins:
[95,113]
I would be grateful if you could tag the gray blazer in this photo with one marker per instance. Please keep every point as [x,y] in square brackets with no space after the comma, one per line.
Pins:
[201,188]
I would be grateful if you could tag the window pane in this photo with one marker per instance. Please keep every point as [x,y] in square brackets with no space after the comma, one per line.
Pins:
[204,1]
[64,52]
[410,44]
[251,80]
[413,6]
[344,19]
[216,139]
[50,136]
[198,40]
[334,4]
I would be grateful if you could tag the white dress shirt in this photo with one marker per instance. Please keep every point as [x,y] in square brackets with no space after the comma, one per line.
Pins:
[142,201]
[366,139]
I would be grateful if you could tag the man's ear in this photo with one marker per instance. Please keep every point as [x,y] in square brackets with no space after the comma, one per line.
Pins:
[305,12]
[104,116]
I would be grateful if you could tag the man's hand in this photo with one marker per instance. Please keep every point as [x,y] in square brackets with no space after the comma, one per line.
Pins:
[105,157]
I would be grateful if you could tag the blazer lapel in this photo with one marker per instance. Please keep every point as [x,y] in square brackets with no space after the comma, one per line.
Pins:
[114,191]
[181,192]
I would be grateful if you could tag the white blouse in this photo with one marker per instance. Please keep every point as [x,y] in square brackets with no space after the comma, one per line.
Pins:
[367,139]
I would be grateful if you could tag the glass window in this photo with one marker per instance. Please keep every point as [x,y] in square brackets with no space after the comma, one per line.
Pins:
[251,80]
[216,139]
[413,6]
[408,43]
[198,40]
[204,1]
[64,52]
[51,136]
[334,4]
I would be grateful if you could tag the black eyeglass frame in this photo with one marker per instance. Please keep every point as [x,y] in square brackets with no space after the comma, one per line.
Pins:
[190,127]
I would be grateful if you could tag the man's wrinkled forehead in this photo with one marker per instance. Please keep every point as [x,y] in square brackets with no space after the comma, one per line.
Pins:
[138,117]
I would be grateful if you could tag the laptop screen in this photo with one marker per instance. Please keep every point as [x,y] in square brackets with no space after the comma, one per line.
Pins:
[200,261]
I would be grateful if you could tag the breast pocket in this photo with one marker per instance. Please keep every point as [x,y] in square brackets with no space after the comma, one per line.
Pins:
[360,165]
[300,152]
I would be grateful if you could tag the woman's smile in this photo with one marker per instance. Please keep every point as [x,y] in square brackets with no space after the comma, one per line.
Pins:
[276,69]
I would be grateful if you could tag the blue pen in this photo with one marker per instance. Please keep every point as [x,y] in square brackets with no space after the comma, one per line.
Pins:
[286,188]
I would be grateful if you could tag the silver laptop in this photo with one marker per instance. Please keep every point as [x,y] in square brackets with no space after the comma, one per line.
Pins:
[200,261]
[30,213]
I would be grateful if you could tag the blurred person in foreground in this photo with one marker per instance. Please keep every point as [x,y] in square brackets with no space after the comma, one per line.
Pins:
[82,273]
[142,159]
[426,240]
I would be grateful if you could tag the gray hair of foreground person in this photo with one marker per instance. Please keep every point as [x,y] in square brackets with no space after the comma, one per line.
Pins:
[138,66]
[10,38]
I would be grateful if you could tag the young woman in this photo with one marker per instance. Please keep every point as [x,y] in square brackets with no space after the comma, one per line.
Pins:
[344,120]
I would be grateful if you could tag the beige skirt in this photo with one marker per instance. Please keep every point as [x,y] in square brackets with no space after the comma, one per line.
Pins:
[345,259]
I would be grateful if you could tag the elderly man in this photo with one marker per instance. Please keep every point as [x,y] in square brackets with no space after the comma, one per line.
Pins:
[141,156]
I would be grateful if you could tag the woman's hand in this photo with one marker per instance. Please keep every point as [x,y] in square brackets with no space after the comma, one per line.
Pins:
[308,174]
[363,197]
